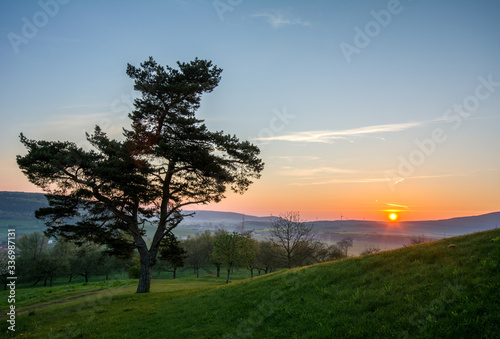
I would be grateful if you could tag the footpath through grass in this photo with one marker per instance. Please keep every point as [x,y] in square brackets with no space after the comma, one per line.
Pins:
[428,290]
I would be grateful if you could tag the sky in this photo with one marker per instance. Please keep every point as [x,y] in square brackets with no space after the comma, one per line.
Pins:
[359,108]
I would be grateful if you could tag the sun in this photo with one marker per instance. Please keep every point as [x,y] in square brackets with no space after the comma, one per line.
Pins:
[393,216]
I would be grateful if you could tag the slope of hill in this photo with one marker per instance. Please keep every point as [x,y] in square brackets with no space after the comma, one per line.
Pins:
[431,290]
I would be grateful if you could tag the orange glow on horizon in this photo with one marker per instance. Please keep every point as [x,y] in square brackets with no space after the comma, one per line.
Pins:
[274,194]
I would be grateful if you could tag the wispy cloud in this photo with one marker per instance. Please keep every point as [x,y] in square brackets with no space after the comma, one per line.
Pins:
[341,181]
[392,204]
[396,205]
[279,18]
[326,136]
[306,172]
[437,176]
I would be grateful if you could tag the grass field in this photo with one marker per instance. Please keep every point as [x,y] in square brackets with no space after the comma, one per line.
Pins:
[429,290]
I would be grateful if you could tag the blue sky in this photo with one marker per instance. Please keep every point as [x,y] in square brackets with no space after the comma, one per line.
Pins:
[337,130]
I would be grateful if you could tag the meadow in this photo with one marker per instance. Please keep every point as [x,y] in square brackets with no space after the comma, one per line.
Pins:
[445,288]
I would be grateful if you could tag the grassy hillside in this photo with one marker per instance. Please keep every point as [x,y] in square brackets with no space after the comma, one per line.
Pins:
[427,290]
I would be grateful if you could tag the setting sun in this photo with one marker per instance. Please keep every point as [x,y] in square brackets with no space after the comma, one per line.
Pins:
[393,216]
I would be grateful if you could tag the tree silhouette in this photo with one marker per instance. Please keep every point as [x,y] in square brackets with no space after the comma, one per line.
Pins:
[168,160]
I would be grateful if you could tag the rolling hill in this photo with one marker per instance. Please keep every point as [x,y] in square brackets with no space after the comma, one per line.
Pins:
[448,288]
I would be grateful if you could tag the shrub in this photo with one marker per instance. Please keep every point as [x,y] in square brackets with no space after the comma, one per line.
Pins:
[370,250]
[418,239]
[134,271]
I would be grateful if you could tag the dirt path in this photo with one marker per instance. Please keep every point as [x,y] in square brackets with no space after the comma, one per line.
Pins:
[39,306]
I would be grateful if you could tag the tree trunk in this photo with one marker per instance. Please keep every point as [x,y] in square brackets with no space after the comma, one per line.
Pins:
[218,270]
[227,280]
[51,281]
[45,282]
[70,278]
[251,273]
[145,277]
[197,273]
[147,261]
[175,270]
[86,278]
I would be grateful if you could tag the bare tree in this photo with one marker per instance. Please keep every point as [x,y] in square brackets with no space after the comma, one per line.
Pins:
[289,232]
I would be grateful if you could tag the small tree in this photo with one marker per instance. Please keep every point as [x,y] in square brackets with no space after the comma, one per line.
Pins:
[64,251]
[33,252]
[289,232]
[52,266]
[344,245]
[249,251]
[227,249]
[32,245]
[134,268]
[109,264]
[173,253]
[335,253]
[269,257]
[198,251]
[86,260]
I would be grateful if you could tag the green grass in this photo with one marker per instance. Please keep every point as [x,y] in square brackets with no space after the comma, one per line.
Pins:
[428,290]
[36,295]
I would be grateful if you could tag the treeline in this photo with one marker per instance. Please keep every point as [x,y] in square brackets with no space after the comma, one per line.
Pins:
[38,262]
[291,244]
[229,250]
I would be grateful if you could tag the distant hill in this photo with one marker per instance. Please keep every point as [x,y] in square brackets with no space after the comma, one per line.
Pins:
[227,217]
[456,226]
[20,205]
